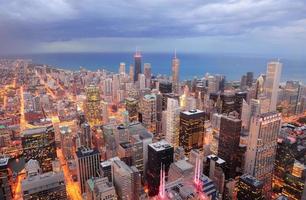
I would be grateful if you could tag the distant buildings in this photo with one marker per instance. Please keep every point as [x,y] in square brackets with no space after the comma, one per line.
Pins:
[137,65]
[131,105]
[39,144]
[175,74]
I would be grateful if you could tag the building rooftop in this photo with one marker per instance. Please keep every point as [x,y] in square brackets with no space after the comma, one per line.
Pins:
[192,112]
[34,184]
[150,96]
[85,151]
[4,161]
[160,146]
[34,131]
[183,165]
[216,159]
[251,180]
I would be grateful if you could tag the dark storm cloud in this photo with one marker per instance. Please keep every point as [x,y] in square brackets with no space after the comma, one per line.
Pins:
[32,22]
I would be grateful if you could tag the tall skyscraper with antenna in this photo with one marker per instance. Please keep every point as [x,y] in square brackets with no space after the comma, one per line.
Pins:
[175,74]
[137,65]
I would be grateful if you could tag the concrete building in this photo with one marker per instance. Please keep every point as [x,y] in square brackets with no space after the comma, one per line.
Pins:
[100,189]
[173,122]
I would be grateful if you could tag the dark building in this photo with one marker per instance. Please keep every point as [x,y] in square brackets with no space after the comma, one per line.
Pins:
[137,65]
[88,165]
[5,188]
[192,130]
[284,159]
[85,135]
[131,105]
[228,149]
[106,170]
[249,188]
[165,87]
[249,79]
[227,103]
[159,154]
[39,144]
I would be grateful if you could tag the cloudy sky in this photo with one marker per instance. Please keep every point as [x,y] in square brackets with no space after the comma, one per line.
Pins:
[274,27]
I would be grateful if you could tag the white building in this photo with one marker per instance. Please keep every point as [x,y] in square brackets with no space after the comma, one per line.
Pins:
[173,122]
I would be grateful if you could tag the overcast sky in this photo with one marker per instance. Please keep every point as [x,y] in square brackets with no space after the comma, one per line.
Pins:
[272,27]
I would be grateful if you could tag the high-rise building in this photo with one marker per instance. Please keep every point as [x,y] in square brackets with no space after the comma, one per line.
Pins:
[175,74]
[92,105]
[148,112]
[85,135]
[173,122]
[249,79]
[100,189]
[160,154]
[88,163]
[122,68]
[274,70]
[39,144]
[261,148]
[192,130]
[131,73]
[141,81]
[127,180]
[106,170]
[229,149]
[147,72]
[131,105]
[137,65]
[249,188]
[67,142]
[5,188]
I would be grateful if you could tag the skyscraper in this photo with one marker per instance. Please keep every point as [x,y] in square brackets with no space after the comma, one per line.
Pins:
[147,72]
[175,74]
[274,70]
[173,122]
[159,154]
[131,105]
[261,148]
[148,112]
[192,130]
[131,73]
[85,135]
[229,149]
[88,163]
[137,65]
[122,68]
[93,101]
[39,144]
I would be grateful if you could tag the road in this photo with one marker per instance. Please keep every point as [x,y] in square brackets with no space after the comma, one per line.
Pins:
[72,187]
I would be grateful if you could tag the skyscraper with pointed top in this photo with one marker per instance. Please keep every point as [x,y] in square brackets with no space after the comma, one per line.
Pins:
[137,65]
[175,74]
